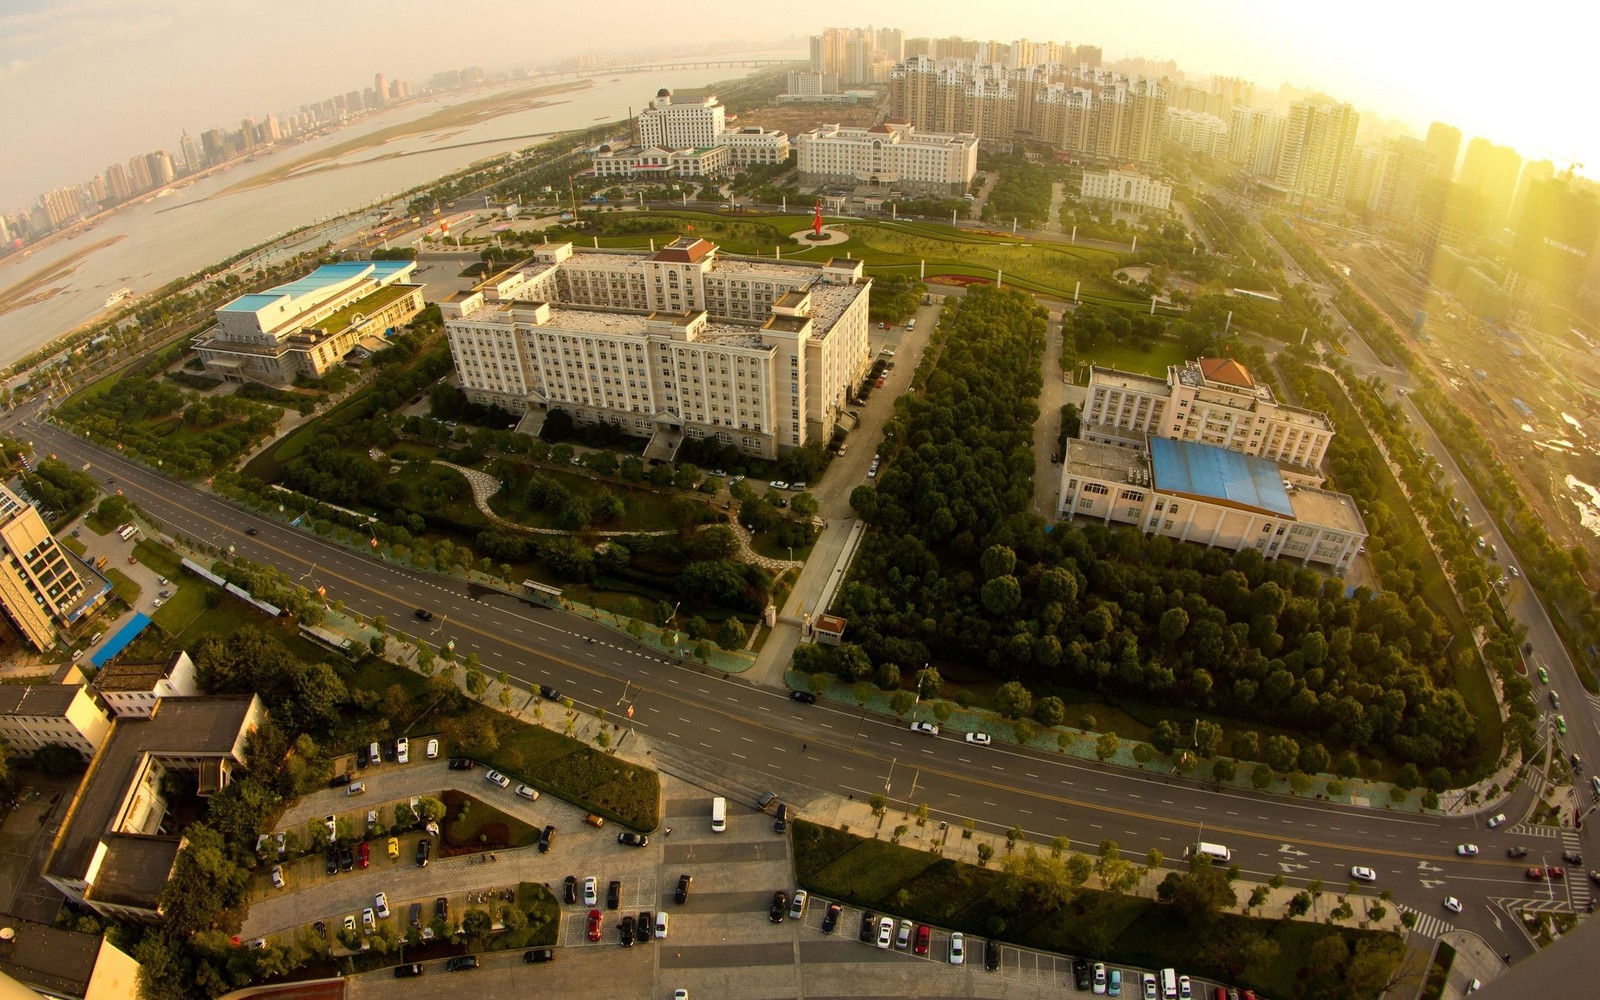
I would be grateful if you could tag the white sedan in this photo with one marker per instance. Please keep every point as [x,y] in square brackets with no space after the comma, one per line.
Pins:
[1495,821]
[925,727]
[1363,874]
[980,739]
[496,778]
[1467,850]
[958,948]
[1452,904]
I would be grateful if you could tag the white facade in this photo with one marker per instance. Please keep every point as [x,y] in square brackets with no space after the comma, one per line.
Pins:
[1197,131]
[1124,189]
[694,124]
[759,354]
[891,154]
[33,716]
[754,145]
[1317,155]
[133,690]
[634,163]
[1210,401]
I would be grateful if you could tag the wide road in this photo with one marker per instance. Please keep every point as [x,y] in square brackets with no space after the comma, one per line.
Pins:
[1047,794]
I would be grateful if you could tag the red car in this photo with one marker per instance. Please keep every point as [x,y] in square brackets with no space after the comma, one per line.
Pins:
[594,925]
[1536,873]
[924,932]
[1555,872]
[362,855]
[880,383]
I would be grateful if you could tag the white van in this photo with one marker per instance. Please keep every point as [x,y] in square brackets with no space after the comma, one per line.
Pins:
[911,324]
[661,925]
[127,531]
[1216,852]
[719,814]
[1169,984]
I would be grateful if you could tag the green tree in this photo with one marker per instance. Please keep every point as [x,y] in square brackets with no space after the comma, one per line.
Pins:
[1012,700]
[732,634]
[1106,746]
[902,702]
[1223,770]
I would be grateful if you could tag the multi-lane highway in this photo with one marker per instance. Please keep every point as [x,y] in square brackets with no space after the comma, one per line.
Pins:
[839,750]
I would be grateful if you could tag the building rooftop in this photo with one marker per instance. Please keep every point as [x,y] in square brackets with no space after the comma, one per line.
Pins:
[134,676]
[684,250]
[49,959]
[1105,462]
[1227,371]
[1327,508]
[1126,380]
[134,869]
[36,699]
[207,727]
[1207,472]
[322,277]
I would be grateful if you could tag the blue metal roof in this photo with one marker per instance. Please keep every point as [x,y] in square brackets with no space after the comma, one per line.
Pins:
[327,274]
[1205,470]
[119,642]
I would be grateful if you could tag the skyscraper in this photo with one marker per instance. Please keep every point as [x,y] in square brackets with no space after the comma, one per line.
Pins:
[189,151]
[380,86]
[1444,142]
[1404,164]
[1491,171]
[1254,138]
[1557,237]
[1532,172]
[1318,152]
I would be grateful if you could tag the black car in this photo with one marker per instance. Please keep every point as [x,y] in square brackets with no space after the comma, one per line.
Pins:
[549,693]
[546,839]
[424,614]
[779,908]
[646,925]
[461,963]
[347,859]
[570,889]
[830,920]
[388,751]
[441,908]
[682,895]
[991,954]
[332,867]
[869,927]
[1516,852]
[803,697]
[1080,973]
[461,764]
[251,532]
[625,932]
[424,848]
[406,971]
[539,955]
[361,757]
[1573,857]
[633,839]
[613,895]
[416,915]
[339,780]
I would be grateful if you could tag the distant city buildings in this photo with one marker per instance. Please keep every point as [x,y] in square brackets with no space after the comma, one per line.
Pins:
[1197,131]
[682,342]
[305,327]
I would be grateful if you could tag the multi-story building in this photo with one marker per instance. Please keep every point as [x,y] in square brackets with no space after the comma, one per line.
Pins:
[803,83]
[1212,401]
[1126,190]
[634,163]
[1255,135]
[133,690]
[1208,455]
[1444,142]
[1198,131]
[681,342]
[33,716]
[41,586]
[687,123]
[751,145]
[1318,151]
[893,154]
[1491,170]
[1557,240]
[308,326]
[1403,166]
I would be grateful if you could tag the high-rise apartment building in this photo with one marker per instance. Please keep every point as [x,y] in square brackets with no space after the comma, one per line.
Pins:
[1444,142]
[1255,136]
[189,151]
[139,175]
[1558,236]
[1403,165]
[380,87]
[758,354]
[159,164]
[1197,131]
[1318,151]
[1532,172]
[117,185]
[1491,170]
[40,587]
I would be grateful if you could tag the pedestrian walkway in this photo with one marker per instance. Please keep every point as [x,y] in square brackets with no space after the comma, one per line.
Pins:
[1427,924]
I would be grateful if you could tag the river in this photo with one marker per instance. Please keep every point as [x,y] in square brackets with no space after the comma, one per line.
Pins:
[198,225]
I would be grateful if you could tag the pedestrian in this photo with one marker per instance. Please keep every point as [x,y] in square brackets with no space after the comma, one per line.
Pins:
[804,747]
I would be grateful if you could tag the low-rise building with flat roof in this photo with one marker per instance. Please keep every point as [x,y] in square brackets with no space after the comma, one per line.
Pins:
[55,962]
[134,689]
[33,716]
[114,850]
[889,155]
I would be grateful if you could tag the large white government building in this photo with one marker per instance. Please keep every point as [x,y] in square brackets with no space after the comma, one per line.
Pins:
[674,343]
[305,327]
[1126,189]
[689,139]
[893,154]
[1208,455]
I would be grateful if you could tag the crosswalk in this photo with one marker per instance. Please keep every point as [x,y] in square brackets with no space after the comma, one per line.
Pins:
[1535,830]
[1577,878]
[1427,924]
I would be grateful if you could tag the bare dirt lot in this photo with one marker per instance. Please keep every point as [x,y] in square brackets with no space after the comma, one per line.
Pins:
[797,118]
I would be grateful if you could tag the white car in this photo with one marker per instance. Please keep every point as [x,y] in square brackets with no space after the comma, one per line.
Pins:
[885,933]
[1149,981]
[1361,874]
[925,727]
[1452,904]
[797,908]
[380,902]
[528,792]
[496,778]
[1100,978]
[778,484]
[1495,821]
[277,876]
[1467,850]
[402,751]
[157,603]
[368,922]
[591,893]
[980,739]
[1185,989]
[958,949]
[433,749]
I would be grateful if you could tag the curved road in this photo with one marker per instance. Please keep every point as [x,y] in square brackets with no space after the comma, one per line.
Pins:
[853,753]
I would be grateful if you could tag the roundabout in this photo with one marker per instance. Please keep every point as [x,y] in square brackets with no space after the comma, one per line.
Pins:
[826,238]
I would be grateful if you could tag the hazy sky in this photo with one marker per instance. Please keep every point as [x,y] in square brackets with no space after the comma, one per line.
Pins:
[87,82]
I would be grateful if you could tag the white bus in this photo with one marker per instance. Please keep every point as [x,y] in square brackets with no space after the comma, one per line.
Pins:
[719,814]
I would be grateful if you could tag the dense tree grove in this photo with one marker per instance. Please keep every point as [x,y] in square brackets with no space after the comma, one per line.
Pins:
[955,565]
[143,417]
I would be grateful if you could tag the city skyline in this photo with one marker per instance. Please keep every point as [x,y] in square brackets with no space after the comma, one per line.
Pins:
[62,55]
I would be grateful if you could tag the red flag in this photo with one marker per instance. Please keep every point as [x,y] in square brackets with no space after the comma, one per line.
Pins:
[630,711]
[374,543]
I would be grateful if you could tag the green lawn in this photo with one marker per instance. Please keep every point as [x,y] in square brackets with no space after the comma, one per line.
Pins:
[125,589]
[1147,361]
[1131,930]
[644,509]
[76,547]
[471,824]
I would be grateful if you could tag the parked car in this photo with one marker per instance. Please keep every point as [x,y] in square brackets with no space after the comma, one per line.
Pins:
[407,970]
[625,932]
[424,849]
[347,859]
[356,788]
[393,847]
[461,963]
[277,876]
[591,891]
[528,792]
[381,904]
[958,949]
[432,749]
[614,895]
[797,906]
[885,932]
[594,925]
[1081,975]
[803,697]
[980,739]
[869,927]
[1099,979]
[644,926]
[332,863]
[830,919]
[368,920]
[991,955]
[441,908]
[549,693]
[363,854]
[547,839]
[539,955]
[780,905]
[902,937]
[402,750]
[632,839]
[924,936]
[496,778]
[682,895]
[415,915]
[461,764]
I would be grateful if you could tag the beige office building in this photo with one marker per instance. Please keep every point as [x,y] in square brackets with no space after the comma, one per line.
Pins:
[680,342]
[40,585]
[893,154]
